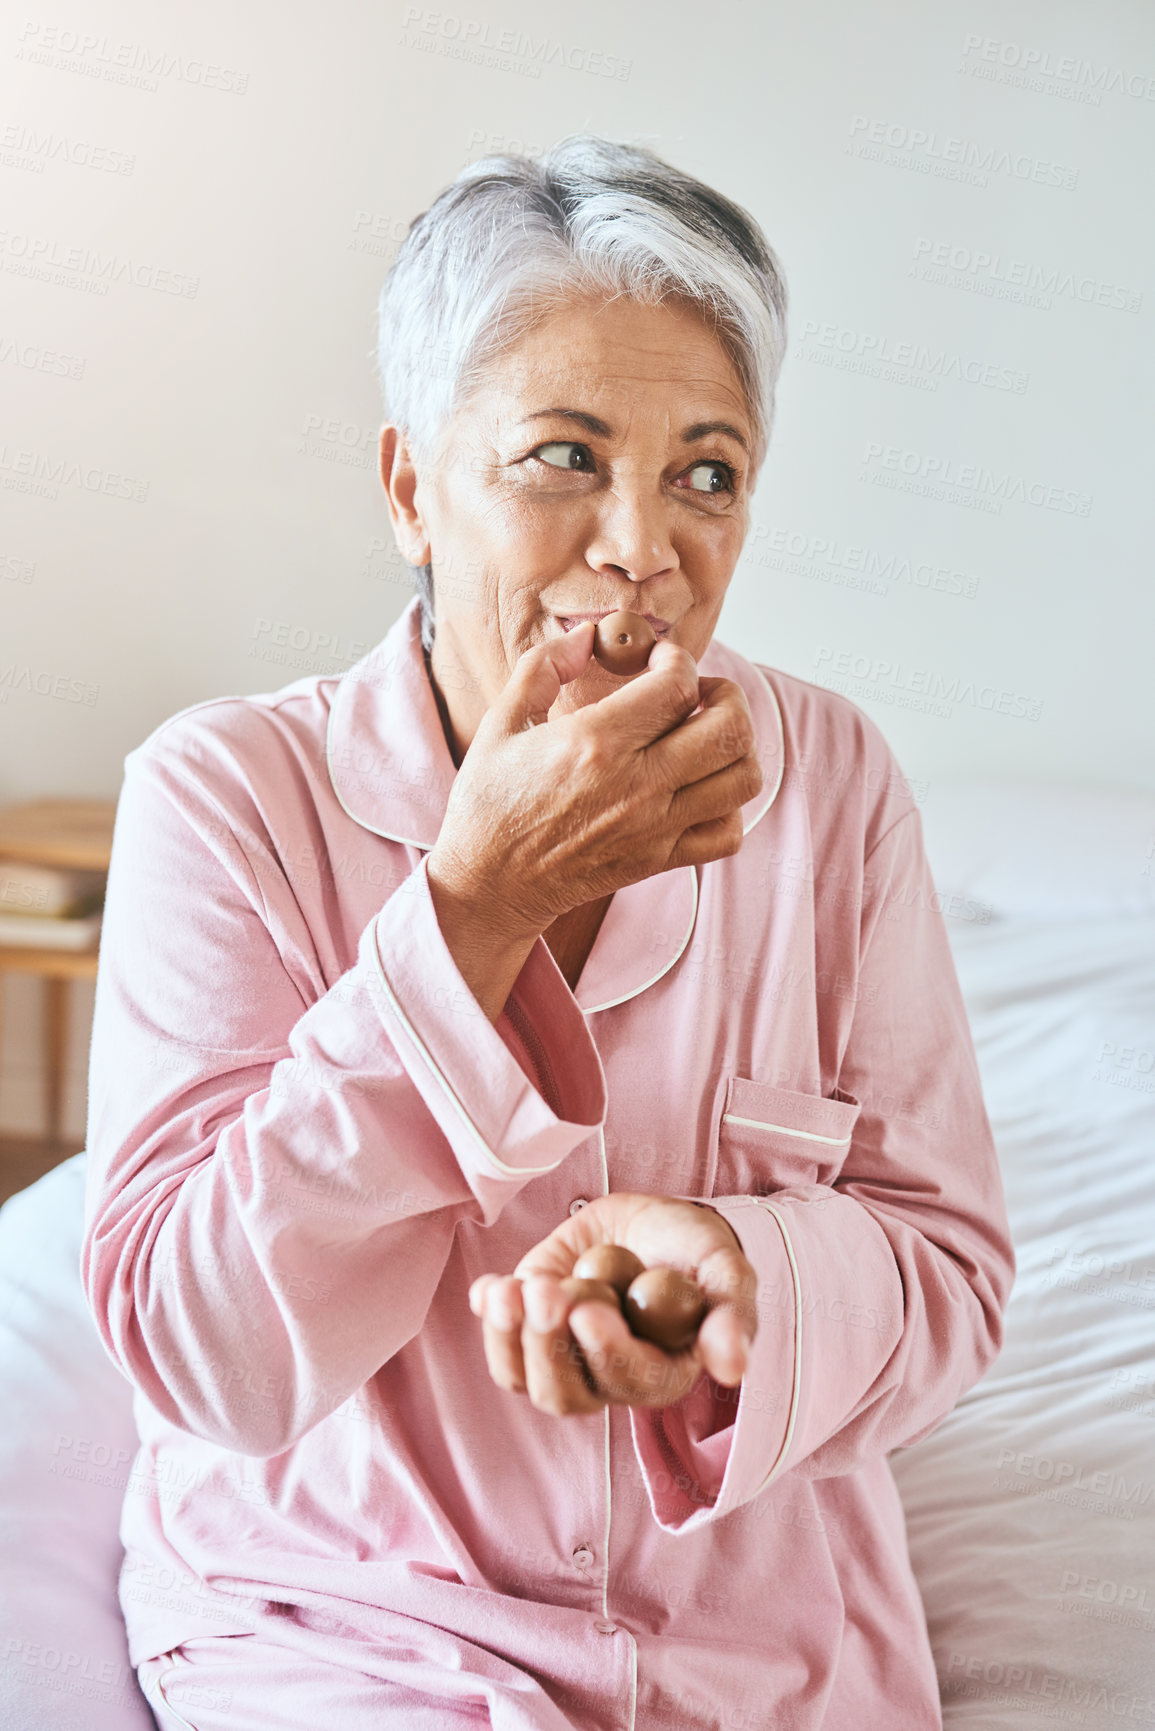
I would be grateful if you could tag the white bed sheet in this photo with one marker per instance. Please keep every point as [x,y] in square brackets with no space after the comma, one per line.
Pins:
[67,1442]
[1031,1510]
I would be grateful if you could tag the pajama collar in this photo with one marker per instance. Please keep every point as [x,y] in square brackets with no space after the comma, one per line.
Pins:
[391,770]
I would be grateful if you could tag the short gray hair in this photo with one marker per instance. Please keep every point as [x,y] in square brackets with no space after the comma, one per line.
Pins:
[513,236]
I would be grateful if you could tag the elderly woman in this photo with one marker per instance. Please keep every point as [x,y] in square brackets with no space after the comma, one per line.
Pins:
[421,980]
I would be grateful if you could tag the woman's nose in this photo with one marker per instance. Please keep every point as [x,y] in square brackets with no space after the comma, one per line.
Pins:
[632,533]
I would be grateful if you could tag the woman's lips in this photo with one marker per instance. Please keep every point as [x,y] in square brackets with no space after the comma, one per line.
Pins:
[568,620]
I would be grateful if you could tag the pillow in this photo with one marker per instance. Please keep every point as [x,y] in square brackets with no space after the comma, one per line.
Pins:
[1034,849]
[67,1443]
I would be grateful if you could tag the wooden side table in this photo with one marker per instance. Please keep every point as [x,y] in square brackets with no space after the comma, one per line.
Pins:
[55,832]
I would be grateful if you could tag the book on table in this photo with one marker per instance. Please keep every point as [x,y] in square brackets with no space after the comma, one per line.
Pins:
[38,932]
[49,907]
[49,892]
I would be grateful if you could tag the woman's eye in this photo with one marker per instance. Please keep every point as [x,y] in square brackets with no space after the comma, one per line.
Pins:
[721,470]
[568,454]
[564,460]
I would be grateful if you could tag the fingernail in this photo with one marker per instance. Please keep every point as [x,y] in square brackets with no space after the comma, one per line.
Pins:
[739,1364]
[544,1308]
[501,1312]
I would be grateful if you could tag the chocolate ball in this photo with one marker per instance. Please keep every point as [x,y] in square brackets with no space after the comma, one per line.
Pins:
[598,1291]
[622,642]
[663,1306]
[612,1263]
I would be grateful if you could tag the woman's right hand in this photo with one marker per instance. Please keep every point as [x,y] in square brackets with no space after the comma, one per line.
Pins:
[544,818]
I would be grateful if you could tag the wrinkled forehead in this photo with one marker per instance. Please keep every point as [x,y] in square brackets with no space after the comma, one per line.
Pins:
[612,362]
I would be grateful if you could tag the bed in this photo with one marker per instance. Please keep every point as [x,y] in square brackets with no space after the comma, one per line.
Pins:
[1030,1510]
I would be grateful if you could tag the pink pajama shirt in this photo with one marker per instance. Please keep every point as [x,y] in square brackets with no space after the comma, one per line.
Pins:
[306,1140]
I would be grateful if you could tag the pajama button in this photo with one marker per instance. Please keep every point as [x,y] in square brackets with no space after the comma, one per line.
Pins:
[578,1202]
[606,1628]
[583,1556]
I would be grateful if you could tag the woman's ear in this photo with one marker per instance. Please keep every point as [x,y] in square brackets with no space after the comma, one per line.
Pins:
[399,479]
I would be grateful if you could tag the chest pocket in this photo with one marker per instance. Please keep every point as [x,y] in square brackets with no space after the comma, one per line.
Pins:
[772,1138]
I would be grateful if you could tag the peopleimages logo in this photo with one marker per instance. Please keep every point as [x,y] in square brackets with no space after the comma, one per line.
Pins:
[861,676]
[1018,1685]
[82,267]
[40,360]
[857,566]
[1038,69]
[509,49]
[967,483]
[29,471]
[946,157]
[133,63]
[901,361]
[989,273]
[36,148]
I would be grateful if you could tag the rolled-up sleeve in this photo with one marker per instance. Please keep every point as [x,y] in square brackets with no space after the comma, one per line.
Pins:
[275,1170]
[880,1295]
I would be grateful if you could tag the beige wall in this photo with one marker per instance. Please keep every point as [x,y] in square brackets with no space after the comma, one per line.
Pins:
[198,206]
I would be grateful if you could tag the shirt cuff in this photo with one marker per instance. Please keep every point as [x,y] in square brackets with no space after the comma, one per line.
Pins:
[701,1458]
[502,1127]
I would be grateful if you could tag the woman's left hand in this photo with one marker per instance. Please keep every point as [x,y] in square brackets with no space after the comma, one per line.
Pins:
[578,1358]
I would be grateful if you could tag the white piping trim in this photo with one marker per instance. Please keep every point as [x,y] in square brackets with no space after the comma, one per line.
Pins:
[612,1003]
[785,1130]
[471,1127]
[169,1709]
[606,1433]
[609,1503]
[411,841]
[424,847]
[388,835]
[626,996]
[633,1679]
[781,750]
[606,1535]
[796,1390]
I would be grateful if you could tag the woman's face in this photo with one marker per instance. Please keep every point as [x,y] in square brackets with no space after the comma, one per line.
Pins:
[587,474]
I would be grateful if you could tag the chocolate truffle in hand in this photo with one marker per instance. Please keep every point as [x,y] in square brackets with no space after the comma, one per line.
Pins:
[665,1307]
[622,642]
[580,1291]
[612,1263]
